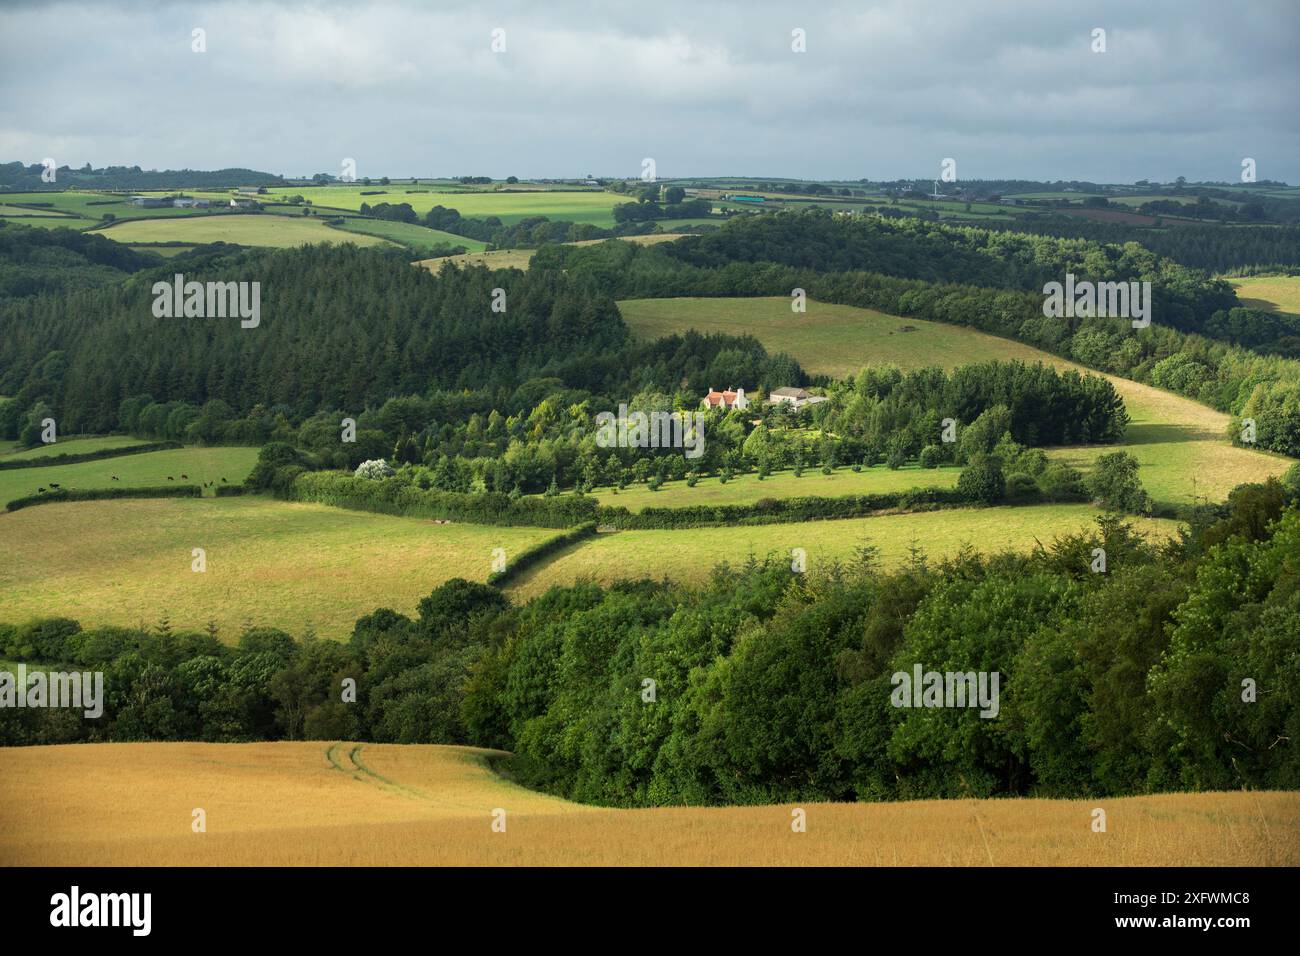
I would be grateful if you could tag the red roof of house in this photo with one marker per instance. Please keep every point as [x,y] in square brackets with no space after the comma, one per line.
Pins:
[727,398]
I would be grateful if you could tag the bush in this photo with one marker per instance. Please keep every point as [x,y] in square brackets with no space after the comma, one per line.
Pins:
[931,456]
[981,482]
[1114,483]
[1062,483]
[374,470]
[896,460]
[1022,489]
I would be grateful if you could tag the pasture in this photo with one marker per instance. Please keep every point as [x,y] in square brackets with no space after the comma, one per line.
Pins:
[1276,293]
[1181,444]
[522,258]
[335,804]
[416,238]
[282,564]
[72,446]
[746,489]
[594,205]
[202,464]
[246,230]
[689,555]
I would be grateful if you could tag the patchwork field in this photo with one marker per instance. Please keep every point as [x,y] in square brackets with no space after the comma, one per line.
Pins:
[330,804]
[282,564]
[70,446]
[689,555]
[1181,444]
[201,464]
[1279,293]
[247,230]
[594,206]
[522,258]
[416,238]
[745,489]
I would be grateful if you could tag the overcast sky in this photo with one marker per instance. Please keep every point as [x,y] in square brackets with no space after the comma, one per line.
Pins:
[884,89]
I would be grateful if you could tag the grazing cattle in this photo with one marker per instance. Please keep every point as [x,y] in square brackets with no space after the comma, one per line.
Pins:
[115,478]
[53,485]
[41,489]
[170,478]
[185,476]
[223,481]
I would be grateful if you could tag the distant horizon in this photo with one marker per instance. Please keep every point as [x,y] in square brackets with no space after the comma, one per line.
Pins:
[75,166]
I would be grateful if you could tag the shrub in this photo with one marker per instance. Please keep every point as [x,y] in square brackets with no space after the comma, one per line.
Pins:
[376,469]
[1022,489]
[1062,483]
[1114,483]
[931,456]
[896,460]
[981,481]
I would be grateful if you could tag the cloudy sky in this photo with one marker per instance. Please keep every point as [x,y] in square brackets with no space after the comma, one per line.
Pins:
[884,89]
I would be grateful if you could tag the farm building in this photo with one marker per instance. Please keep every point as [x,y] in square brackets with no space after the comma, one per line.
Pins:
[238,203]
[187,203]
[149,202]
[725,399]
[796,398]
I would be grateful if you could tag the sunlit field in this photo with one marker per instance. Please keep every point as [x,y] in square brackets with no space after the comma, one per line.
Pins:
[1182,445]
[193,465]
[247,230]
[275,563]
[326,803]
[690,554]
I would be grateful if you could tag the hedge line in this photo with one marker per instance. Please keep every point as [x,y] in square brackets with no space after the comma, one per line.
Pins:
[398,498]
[231,491]
[88,455]
[538,552]
[779,510]
[95,494]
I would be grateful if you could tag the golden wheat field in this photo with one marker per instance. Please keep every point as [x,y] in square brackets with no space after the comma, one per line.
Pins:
[377,804]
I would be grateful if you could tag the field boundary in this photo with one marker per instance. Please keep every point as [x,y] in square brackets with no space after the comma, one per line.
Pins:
[77,458]
[101,494]
[539,552]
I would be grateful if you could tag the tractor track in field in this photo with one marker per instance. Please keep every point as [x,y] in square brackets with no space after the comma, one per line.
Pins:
[352,765]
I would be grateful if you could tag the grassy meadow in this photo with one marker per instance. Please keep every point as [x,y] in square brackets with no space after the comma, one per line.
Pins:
[332,804]
[418,239]
[277,563]
[594,206]
[247,230]
[522,258]
[75,445]
[689,555]
[746,489]
[202,464]
[1277,293]
[1181,444]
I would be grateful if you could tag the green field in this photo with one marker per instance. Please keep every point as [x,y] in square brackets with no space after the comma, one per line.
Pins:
[745,489]
[91,207]
[1180,443]
[247,230]
[690,554]
[594,206]
[1279,293]
[148,470]
[416,238]
[278,563]
[72,446]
